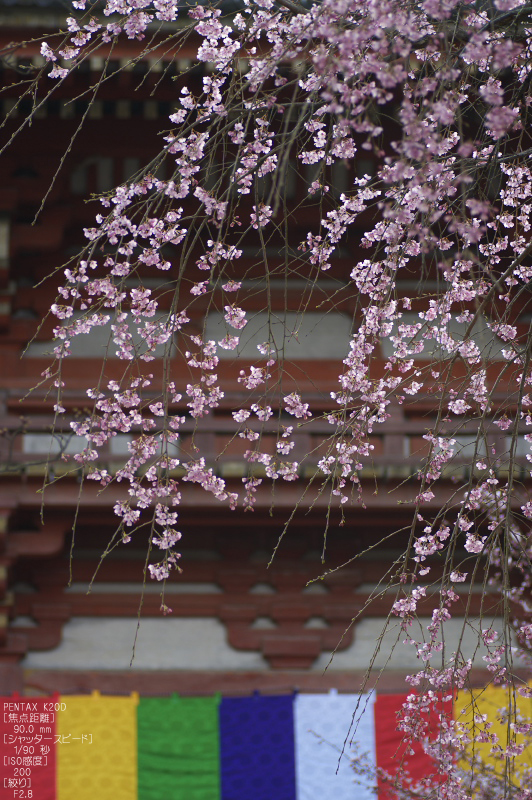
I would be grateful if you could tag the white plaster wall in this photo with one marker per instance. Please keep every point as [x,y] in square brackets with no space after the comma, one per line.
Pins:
[201,644]
[393,654]
[98,343]
[164,643]
[308,336]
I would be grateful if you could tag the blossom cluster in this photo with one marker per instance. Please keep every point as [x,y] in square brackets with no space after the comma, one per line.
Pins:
[436,97]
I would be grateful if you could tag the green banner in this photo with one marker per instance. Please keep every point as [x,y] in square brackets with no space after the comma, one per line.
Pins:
[178,748]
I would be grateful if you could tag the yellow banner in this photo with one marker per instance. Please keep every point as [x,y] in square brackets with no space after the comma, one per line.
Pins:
[97,748]
[492,716]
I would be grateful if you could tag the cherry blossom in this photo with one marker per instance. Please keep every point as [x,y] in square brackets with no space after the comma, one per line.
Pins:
[424,108]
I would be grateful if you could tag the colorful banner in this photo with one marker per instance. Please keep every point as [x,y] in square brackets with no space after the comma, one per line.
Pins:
[178,748]
[396,757]
[327,729]
[493,710]
[302,747]
[97,748]
[257,748]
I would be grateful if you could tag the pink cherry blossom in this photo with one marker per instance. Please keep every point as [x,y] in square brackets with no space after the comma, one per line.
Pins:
[408,141]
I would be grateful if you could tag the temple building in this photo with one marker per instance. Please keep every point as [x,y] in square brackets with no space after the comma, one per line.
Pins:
[240,620]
